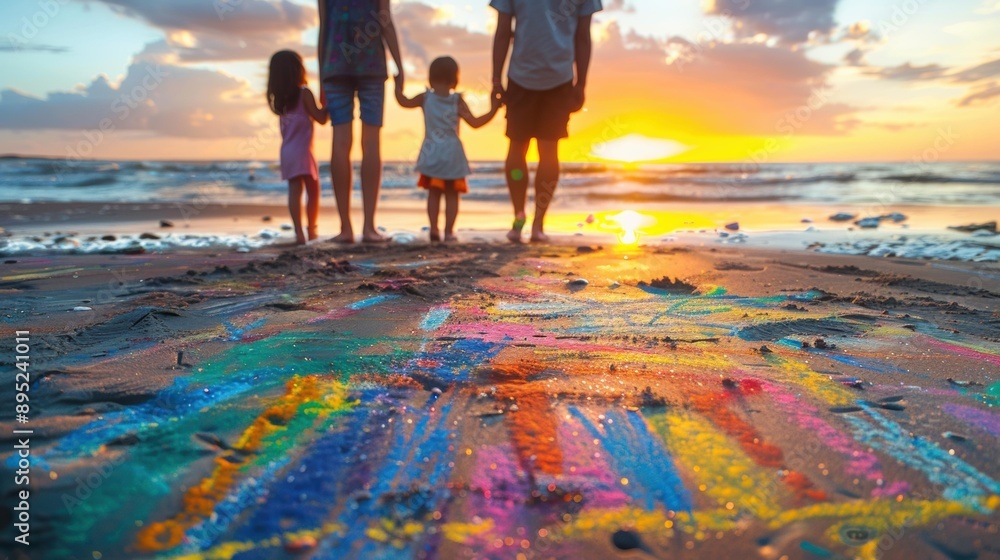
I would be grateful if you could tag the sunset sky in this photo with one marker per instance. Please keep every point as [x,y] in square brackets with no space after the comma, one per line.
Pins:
[713,80]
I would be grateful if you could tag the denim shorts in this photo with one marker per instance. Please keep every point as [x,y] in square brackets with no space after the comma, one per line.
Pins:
[340,93]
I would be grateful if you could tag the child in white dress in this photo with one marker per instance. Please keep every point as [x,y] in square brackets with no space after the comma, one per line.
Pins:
[442,163]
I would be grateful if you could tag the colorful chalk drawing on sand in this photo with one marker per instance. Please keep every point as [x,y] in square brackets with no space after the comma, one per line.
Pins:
[543,423]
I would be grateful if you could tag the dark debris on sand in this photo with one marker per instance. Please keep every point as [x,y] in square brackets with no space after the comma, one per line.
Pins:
[671,285]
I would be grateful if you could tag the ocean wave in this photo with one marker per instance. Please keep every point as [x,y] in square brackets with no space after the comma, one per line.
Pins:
[238,181]
[100,181]
[742,181]
[988,179]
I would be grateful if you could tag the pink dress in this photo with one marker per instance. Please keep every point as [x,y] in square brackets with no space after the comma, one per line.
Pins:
[297,144]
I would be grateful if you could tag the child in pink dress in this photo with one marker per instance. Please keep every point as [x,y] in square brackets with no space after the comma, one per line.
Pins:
[292,101]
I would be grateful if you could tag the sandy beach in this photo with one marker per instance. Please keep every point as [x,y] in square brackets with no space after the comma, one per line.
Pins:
[486,400]
[500,280]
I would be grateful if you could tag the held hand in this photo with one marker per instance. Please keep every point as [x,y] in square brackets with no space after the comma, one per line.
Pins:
[499,93]
[495,102]
[579,98]
[322,96]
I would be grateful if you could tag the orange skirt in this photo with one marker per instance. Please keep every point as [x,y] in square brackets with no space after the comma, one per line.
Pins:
[426,182]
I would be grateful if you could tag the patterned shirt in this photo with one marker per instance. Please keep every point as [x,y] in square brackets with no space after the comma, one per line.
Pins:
[354,44]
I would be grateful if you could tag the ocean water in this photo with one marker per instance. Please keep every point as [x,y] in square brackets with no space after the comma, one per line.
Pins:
[585,185]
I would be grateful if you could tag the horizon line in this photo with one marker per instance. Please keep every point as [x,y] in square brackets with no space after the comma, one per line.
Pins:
[14,156]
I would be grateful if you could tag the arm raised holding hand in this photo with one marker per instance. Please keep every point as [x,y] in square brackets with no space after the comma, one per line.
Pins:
[474,121]
[403,100]
[391,38]
[583,44]
[501,46]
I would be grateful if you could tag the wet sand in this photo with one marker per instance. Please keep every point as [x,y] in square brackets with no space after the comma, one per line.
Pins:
[483,401]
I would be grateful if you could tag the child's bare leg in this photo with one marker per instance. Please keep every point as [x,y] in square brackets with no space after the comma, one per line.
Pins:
[295,207]
[546,180]
[341,173]
[450,213]
[312,206]
[433,211]
[371,178]
[517,183]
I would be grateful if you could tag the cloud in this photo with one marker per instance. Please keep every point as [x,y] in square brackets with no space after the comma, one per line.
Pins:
[983,95]
[908,72]
[618,6]
[165,99]
[15,47]
[205,30]
[979,77]
[425,35]
[791,22]
[856,58]
[734,88]
[980,72]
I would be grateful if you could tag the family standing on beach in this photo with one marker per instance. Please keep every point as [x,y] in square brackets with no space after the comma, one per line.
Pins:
[546,83]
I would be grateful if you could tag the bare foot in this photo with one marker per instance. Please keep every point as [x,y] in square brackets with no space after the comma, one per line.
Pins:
[450,238]
[300,238]
[514,235]
[313,235]
[346,237]
[539,237]
[435,236]
[374,237]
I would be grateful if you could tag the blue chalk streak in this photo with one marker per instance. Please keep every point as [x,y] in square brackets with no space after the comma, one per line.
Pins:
[435,318]
[359,305]
[639,456]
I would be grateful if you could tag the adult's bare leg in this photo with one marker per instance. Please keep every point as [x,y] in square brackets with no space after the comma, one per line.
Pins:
[371,179]
[546,180]
[342,177]
[516,169]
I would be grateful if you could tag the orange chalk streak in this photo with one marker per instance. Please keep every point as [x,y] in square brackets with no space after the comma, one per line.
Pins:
[200,500]
[533,428]
[715,406]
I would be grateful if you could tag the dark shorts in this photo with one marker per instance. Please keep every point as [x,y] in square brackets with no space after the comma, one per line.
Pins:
[538,114]
[340,94]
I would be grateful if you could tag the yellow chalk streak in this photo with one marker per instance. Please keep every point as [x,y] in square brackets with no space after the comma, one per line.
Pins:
[226,551]
[725,472]
[397,535]
[463,532]
[310,395]
[887,517]
[821,386]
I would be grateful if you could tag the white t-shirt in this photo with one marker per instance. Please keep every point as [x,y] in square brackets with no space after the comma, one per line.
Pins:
[543,39]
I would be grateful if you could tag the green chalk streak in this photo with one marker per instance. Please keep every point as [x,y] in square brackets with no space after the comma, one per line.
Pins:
[160,465]
[992,395]
[301,429]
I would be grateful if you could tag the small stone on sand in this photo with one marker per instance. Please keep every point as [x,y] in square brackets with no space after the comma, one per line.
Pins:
[842,217]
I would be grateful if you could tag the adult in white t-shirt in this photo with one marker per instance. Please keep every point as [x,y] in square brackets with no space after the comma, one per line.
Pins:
[546,82]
